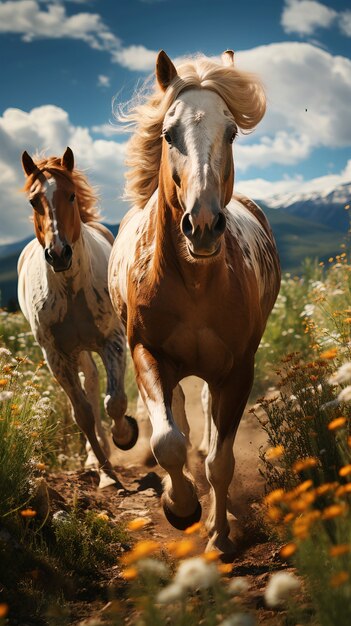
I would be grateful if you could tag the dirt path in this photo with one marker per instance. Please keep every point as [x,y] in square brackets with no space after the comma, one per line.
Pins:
[257,557]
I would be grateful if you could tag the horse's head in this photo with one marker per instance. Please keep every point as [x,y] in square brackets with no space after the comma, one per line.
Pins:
[51,192]
[197,159]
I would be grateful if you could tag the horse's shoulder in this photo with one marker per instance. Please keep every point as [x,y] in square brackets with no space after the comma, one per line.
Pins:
[254,209]
[103,230]
[26,253]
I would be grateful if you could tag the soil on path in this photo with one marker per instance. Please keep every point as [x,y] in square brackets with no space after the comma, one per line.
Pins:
[257,556]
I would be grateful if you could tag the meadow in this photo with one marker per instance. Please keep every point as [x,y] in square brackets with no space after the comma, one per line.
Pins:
[50,552]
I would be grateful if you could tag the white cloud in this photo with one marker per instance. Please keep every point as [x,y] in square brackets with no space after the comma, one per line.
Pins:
[262,189]
[136,58]
[345,22]
[103,81]
[29,20]
[308,96]
[305,16]
[48,128]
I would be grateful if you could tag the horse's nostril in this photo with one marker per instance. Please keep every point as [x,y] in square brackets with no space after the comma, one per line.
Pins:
[219,224]
[48,256]
[67,253]
[187,226]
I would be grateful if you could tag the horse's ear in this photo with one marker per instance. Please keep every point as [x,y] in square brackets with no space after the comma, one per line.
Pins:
[228,58]
[165,70]
[28,164]
[67,160]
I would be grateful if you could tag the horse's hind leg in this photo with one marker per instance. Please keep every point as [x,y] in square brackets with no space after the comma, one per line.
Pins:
[65,370]
[228,404]
[125,429]
[168,443]
[91,387]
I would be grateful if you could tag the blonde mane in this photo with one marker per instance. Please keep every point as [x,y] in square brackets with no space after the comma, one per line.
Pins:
[144,114]
[85,195]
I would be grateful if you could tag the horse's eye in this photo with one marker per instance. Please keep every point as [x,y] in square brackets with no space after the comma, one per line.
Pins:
[72,197]
[232,137]
[167,137]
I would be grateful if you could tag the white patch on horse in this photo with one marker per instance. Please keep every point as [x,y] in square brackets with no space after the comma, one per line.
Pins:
[49,189]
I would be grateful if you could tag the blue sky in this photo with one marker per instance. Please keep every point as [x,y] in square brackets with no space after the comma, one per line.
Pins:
[63,62]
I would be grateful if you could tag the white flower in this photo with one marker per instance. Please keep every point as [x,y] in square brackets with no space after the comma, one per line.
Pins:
[239,619]
[238,586]
[195,573]
[308,310]
[5,395]
[345,394]
[279,588]
[4,352]
[171,593]
[153,567]
[342,375]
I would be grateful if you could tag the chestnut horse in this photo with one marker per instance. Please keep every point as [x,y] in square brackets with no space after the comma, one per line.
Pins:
[194,271]
[62,291]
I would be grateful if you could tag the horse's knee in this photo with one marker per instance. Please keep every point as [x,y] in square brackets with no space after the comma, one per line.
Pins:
[169,448]
[220,463]
[116,405]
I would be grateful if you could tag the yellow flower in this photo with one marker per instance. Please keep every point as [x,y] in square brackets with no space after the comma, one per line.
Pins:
[288,550]
[274,513]
[347,320]
[130,573]
[303,464]
[138,523]
[40,466]
[103,516]
[3,382]
[225,568]
[141,549]
[329,354]
[339,579]
[28,513]
[323,489]
[343,489]
[344,471]
[4,609]
[181,548]
[338,422]
[274,496]
[334,510]
[211,555]
[342,548]
[274,453]
[194,528]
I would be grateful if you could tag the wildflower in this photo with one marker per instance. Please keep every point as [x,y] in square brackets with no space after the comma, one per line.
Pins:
[239,619]
[138,523]
[347,320]
[5,395]
[345,394]
[345,470]
[339,550]
[40,466]
[274,496]
[153,567]
[329,354]
[288,550]
[193,528]
[28,513]
[279,588]
[130,573]
[302,464]
[339,579]
[334,510]
[141,549]
[238,586]
[274,514]
[3,382]
[171,593]
[103,516]
[195,573]
[211,555]
[4,609]
[225,568]
[274,453]
[336,423]
[343,489]
[181,548]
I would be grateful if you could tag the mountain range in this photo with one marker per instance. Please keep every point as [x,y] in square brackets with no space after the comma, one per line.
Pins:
[310,224]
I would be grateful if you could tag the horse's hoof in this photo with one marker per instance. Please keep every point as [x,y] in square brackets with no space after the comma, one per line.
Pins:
[135,434]
[182,523]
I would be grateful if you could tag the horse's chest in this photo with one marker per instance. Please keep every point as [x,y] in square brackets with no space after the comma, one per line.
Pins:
[81,324]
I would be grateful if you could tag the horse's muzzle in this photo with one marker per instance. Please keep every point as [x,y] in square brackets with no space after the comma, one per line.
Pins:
[59,263]
[203,242]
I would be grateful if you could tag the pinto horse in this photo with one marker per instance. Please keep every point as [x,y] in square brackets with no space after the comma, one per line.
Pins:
[62,291]
[194,271]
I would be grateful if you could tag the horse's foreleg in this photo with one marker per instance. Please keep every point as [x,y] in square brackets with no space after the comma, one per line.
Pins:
[206,403]
[65,370]
[92,389]
[125,428]
[168,443]
[228,404]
